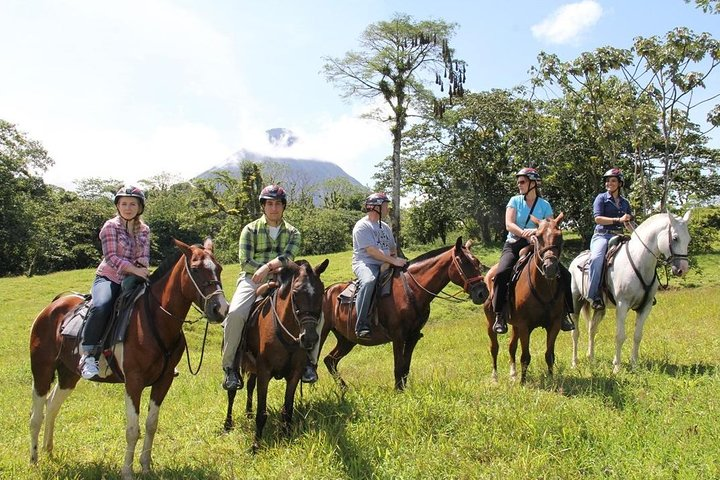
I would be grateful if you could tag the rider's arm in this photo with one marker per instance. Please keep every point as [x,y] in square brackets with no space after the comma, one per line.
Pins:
[378,254]
[514,228]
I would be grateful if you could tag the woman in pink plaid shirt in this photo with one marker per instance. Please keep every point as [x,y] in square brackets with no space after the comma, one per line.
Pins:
[126,251]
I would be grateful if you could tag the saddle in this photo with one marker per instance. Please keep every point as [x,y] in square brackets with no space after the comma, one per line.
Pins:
[73,325]
[383,288]
[614,245]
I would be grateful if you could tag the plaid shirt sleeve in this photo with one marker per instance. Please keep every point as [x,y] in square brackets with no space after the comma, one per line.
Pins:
[109,237]
[292,247]
[249,244]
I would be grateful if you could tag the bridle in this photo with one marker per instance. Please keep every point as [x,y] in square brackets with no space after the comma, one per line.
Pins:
[540,256]
[304,319]
[468,282]
[673,256]
[206,298]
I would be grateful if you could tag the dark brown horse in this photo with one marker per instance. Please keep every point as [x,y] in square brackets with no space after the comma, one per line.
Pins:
[279,336]
[538,299]
[153,346]
[402,314]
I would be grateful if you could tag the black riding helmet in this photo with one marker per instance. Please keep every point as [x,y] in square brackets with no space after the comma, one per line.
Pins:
[131,191]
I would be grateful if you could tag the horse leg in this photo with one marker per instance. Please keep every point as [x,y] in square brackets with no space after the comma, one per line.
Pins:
[132,427]
[575,337]
[594,319]
[332,359]
[621,312]
[640,318]
[494,346]
[512,350]
[229,424]
[525,357]
[252,381]
[157,394]
[408,350]
[398,360]
[263,379]
[67,380]
[288,406]
[550,348]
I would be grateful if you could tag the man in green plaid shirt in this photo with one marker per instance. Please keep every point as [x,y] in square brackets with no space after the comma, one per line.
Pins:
[266,245]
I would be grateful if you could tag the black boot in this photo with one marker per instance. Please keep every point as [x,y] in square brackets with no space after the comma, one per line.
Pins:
[567,324]
[232,381]
[500,325]
[310,373]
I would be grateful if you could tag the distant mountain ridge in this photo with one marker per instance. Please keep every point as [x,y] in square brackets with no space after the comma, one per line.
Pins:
[298,174]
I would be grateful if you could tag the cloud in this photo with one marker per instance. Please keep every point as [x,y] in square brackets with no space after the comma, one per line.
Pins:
[568,23]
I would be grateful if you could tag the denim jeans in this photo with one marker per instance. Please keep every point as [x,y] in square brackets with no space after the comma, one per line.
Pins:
[598,247]
[104,292]
[368,276]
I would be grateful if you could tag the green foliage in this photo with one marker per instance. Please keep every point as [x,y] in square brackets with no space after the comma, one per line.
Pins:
[323,230]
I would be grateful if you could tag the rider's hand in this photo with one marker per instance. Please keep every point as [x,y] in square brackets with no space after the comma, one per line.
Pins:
[399,262]
[528,232]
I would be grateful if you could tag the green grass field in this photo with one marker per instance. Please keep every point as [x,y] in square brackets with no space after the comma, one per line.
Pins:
[657,421]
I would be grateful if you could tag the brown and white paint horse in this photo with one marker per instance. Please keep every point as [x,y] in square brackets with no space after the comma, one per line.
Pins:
[153,347]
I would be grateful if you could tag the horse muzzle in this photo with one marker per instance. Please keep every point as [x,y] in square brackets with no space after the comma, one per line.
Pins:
[216,308]
[680,267]
[550,268]
[479,293]
[308,336]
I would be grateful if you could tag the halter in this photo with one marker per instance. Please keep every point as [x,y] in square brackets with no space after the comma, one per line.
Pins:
[303,319]
[470,282]
[539,256]
[206,298]
[673,255]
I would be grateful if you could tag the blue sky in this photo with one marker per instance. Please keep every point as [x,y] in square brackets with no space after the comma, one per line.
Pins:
[132,89]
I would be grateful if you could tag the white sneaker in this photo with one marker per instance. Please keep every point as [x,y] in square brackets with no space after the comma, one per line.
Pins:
[88,367]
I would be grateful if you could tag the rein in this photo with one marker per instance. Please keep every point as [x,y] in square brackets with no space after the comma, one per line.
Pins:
[468,283]
[538,254]
[167,352]
[305,318]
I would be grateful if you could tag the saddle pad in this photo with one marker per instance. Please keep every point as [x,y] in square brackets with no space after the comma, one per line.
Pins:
[348,294]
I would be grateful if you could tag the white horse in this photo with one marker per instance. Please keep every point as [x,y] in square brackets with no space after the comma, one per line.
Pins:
[631,280]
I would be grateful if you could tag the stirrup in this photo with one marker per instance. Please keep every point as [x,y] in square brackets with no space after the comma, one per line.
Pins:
[500,325]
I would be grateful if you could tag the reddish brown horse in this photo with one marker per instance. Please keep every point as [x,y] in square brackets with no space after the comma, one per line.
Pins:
[279,336]
[538,299]
[153,347]
[402,314]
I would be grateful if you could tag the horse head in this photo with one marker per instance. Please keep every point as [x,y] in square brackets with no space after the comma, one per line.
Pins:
[306,291]
[674,245]
[468,272]
[203,281]
[548,246]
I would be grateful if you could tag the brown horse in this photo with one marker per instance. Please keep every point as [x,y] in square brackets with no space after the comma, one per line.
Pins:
[402,314]
[280,333]
[153,347]
[538,299]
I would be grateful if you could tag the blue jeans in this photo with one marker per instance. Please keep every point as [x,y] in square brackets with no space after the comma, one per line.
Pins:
[368,276]
[598,247]
[104,292]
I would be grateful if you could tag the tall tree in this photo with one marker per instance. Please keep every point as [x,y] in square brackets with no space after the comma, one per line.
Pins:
[396,59]
[22,162]
[707,6]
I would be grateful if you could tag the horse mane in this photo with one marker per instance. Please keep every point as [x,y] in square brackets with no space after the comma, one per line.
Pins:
[430,254]
[165,266]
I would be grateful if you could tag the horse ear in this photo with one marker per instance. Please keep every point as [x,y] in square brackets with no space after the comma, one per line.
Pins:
[458,243]
[686,217]
[321,268]
[181,245]
[559,218]
[468,244]
[535,220]
[209,245]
